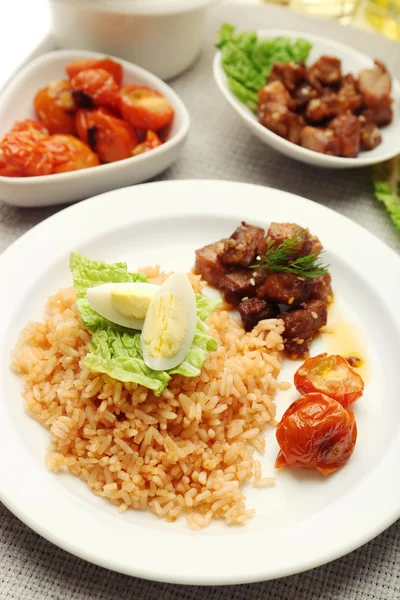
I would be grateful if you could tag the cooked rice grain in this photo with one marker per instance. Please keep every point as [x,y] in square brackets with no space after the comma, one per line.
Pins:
[190,450]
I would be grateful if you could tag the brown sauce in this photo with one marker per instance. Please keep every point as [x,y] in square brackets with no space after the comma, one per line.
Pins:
[343,337]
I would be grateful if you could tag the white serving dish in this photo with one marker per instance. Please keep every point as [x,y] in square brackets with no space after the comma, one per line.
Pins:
[163,36]
[352,62]
[16,103]
[305,519]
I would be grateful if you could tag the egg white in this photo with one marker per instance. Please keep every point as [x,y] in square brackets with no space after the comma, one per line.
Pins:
[99,298]
[179,286]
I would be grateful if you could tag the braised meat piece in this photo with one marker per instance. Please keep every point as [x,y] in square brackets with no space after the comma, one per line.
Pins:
[297,97]
[375,81]
[375,85]
[370,136]
[241,283]
[297,349]
[320,140]
[275,93]
[302,324]
[274,106]
[285,288]
[321,288]
[303,94]
[322,108]
[295,124]
[281,232]
[291,74]
[327,70]
[253,310]
[347,129]
[241,248]
[382,109]
[349,96]
[208,264]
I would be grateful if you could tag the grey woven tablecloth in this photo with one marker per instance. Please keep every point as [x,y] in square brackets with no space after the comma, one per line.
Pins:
[219,147]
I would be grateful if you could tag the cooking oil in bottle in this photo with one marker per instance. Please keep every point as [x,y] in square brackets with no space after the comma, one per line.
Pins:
[333,9]
[384,16]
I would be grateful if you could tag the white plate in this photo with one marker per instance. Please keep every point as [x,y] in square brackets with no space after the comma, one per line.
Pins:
[352,62]
[16,104]
[304,520]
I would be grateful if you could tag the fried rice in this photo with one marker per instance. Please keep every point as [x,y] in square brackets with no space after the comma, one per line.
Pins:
[189,451]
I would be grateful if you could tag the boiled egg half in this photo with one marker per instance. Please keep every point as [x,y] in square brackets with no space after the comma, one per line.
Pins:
[170,324]
[125,304]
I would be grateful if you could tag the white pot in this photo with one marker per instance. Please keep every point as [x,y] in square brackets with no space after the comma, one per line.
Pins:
[162,36]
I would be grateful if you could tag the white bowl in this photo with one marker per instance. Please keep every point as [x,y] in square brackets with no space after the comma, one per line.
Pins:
[163,36]
[352,62]
[16,103]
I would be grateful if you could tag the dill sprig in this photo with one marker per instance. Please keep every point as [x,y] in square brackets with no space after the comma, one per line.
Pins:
[277,258]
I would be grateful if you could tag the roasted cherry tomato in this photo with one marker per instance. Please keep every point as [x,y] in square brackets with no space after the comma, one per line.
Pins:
[95,87]
[29,125]
[24,154]
[55,107]
[150,142]
[316,432]
[331,375]
[111,138]
[70,154]
[145,108]
[107,64]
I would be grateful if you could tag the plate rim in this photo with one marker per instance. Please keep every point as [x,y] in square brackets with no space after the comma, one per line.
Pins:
[95,203]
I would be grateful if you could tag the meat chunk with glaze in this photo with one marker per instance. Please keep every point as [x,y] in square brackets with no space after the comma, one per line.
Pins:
[349,96]
[208,264]
[303,94]
[375,85]
[322,108]
[320,140]
[241,248]
[301,325]
[370,136]
[274,108]
[347,129]
[321,288]
[253,310]
[327,70]
[295,124]
[291,74]
[241,283]
[281,232]
[285,288]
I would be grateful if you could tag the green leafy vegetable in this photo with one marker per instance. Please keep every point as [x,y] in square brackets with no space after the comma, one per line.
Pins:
[88,272]
[277,258]
[387,187]
[115,350]
[247,61]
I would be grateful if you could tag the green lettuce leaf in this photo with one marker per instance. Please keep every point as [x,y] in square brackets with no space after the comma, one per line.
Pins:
[247,61]
[87,272]
[387,187]
[115,350]
[118,354]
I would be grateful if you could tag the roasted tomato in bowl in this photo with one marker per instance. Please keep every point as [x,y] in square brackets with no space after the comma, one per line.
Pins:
[145,108]
[89,119]
[110,137]
[55,107]
[106,63]
[121,153]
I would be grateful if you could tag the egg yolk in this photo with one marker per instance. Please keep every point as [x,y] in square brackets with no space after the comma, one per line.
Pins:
[131,305]
[165,326]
